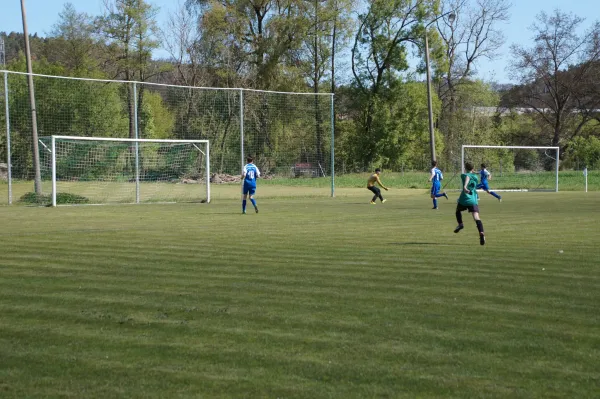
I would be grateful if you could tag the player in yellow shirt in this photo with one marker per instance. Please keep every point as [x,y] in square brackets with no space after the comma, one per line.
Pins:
[374,178]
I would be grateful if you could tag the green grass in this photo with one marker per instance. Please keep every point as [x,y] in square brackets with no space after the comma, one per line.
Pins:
[124,192]
[311,298]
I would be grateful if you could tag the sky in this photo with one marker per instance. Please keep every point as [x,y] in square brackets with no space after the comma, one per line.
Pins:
[43,14]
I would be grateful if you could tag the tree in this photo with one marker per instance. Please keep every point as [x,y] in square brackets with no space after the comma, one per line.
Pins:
[471,35]
[265,33]
[129,27]
[72,42]
[555,75]
[379,54]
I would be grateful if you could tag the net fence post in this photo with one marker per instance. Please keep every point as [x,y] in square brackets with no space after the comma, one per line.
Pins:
[557,162]
[137,145]
[332,147]
[53,171]
[462,159]
[242,128]
[8,155]
[207,172]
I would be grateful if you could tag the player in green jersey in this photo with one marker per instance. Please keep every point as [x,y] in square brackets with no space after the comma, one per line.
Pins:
[468,200]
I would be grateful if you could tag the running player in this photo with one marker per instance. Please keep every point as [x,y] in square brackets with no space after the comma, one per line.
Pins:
[485,176]
[468,200]
[249,175]
[374,178]
[436,177]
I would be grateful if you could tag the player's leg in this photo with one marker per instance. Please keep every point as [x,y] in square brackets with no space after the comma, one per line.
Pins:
[459,220]
[486,187]
[374,191]
[379,194]
[252,191]
[475,212]
[435,188]
[499,198]
[244,199]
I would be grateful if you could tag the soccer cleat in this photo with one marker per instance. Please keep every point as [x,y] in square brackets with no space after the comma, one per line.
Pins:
[482,238]
[372,202]
[446,195]
[459,228]
[435,207]
[499,199]
[256,209]
[383,201]
[243,212]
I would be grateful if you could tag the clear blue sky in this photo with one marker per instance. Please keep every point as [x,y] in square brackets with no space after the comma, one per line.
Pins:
[42,14]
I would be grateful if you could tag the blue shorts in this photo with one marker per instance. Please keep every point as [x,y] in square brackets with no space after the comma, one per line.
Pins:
[248,189]
[483,186]
[436,187]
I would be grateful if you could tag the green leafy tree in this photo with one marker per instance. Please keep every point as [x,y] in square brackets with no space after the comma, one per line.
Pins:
[379,55]
[129,29]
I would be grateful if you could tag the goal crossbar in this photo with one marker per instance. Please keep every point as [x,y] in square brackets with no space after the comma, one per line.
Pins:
[518,147]
[135,141]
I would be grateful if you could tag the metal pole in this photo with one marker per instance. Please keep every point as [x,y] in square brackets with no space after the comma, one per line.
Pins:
[332,147]
[585,173]
[137,145]
[8,156]
[34,132]
[242,127]
[429,101]
[557,162]
[462,159]
[208,172]
[53,171]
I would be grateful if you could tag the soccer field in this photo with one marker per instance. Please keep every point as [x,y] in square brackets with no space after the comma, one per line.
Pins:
[312,297]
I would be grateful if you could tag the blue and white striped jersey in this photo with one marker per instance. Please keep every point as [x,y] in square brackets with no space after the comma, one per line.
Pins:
[250,173]
[484,175]
[437,175]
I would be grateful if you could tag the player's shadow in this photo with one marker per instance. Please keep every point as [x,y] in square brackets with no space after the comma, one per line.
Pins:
[417,243]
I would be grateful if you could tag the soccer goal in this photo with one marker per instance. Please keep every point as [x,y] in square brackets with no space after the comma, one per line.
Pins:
[101,170]
[516,168]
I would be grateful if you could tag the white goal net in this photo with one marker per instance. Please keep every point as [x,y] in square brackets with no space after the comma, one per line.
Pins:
[516,168]
[94,170]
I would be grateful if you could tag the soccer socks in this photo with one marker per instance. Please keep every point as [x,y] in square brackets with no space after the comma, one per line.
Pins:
[440,195]
[495,195]
[459,217]
[244,206]
[479,226]
[253,202]
[435,203]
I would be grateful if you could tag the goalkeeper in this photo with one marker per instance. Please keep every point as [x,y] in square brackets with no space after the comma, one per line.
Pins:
[468,200]
[374,178]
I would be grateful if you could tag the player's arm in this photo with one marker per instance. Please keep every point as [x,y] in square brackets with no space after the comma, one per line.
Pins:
[244,173]
[257,173]
[466,190]
[381,184]
[432,175]
[489,176]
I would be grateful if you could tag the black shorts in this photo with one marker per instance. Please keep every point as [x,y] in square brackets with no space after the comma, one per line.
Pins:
[471,209]
[375,190]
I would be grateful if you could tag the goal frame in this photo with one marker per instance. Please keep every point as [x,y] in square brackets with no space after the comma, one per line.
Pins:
[557,149]
[137,169]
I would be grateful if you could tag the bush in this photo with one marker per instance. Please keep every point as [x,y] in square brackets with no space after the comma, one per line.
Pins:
[61,199]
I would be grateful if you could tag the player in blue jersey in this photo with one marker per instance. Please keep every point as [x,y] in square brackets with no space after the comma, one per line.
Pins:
[436,177]
[485,176]
[249,175]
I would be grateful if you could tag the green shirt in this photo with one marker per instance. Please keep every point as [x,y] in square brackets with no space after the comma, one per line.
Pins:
[469,199]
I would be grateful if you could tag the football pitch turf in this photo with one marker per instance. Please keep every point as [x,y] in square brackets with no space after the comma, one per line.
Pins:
[312,297]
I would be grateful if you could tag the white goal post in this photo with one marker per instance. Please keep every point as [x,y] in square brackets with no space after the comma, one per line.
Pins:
[557,149]
[95,168]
